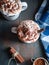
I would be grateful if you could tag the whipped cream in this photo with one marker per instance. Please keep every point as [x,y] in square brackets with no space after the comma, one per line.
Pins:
[10,7]
[27,31]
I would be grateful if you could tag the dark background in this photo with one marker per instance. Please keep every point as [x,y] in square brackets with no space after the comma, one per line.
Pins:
[7,38]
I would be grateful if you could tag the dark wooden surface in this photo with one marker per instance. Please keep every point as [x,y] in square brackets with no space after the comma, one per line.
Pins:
[8,39]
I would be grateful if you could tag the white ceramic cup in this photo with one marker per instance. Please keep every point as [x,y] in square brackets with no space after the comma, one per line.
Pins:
[46,62]
[14,30]
[15,16]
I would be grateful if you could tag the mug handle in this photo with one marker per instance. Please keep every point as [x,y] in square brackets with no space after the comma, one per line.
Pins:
[32,60]
[10,60]
[14,30]
[24,6]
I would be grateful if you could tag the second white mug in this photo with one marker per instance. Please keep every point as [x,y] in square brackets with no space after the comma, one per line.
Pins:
[16,15]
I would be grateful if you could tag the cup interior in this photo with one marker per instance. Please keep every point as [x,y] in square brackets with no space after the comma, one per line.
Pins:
[40,61]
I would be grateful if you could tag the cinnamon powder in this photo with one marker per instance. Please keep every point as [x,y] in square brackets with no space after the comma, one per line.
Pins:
[40,62]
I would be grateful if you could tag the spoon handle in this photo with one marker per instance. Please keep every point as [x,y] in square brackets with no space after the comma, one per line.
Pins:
[41,30]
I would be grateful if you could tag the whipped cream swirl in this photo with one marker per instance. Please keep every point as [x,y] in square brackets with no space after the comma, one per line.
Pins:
[10,7]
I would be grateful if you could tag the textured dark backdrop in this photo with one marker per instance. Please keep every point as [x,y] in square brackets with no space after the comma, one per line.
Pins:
[8,39]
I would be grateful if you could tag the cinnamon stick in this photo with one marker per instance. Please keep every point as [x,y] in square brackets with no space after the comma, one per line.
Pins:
[16,55]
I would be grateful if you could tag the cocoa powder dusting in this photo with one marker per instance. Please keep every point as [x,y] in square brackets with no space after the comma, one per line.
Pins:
[40,62]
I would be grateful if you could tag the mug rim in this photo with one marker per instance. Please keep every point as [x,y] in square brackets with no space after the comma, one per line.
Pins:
[40,58]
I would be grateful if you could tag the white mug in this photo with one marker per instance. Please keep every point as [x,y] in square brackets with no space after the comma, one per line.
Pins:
[15,16]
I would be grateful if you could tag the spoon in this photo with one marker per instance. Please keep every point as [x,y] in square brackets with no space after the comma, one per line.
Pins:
[41,30]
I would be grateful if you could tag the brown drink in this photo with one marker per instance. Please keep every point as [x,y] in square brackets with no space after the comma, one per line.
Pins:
[11,9]
[27,31]
[40,61]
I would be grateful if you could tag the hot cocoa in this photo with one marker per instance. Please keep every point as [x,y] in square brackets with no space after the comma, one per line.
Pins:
[27,31]
[40,62]
[10,7]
